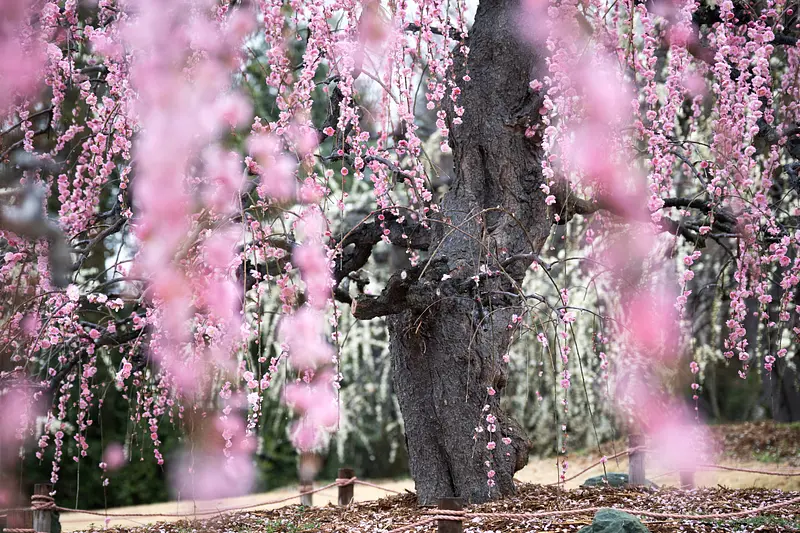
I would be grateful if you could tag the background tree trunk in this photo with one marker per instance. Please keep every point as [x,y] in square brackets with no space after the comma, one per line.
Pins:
[446,355]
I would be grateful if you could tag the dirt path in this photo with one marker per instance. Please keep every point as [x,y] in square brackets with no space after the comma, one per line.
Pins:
[545,471]
[538,471]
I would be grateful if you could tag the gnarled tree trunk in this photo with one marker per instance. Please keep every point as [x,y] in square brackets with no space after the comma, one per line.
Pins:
[447,346]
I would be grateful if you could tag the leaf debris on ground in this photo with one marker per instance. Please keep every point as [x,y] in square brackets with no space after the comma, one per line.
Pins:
[381,516]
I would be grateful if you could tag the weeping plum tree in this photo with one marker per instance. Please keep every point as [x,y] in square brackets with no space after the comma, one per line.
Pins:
[174,172]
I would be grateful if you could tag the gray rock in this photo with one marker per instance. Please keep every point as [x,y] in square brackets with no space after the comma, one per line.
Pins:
[613,521]
[614,480]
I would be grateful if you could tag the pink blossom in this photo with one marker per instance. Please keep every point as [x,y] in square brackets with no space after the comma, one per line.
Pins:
[209,474]
[314,266]
[225,177]
[114,456]
[73,293]
[235,110]
[303,334]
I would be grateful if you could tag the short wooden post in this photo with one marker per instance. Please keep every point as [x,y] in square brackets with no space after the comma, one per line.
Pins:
[307,469]
[636,475]
[687,479]
[306,500]
[450,526]
[42,517]
[346,491]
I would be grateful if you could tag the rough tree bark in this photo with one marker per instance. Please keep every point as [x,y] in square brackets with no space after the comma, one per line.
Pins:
[447,345]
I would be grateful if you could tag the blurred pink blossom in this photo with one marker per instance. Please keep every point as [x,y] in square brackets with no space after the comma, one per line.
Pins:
[219,465]
[114,456]
[315,268]
[18,412]
[209,474]
[304,335]
[277,172]
[21,69]
[225,178]
[653,322]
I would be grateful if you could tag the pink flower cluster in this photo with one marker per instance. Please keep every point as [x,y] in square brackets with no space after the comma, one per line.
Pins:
[303,333]
[22,47]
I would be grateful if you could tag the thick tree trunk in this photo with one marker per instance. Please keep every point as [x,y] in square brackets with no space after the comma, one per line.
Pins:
[448,353]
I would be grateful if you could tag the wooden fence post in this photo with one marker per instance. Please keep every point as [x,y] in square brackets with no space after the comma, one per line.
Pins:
[687,479]
[307,469]
[346,491]
[450,526]
[306,500]
[636,475]
[42,518]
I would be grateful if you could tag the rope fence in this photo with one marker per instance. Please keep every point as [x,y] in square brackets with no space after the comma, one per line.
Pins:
[443,515]
[460,515]
[450,516]
[748,470]
[636,450]
[602,460]
[46,503]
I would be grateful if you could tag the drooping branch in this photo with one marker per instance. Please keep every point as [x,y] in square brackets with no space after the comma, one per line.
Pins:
[679,228]
[452,32]
[124,334]
[389,302]
[569,204]
[357,244]
[86,247]
[785,40]
[355,249]
[704,206]
[413,288]
[252,270]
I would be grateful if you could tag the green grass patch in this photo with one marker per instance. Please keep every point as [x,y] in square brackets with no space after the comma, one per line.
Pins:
[284,526]
[767,456]
[778,522]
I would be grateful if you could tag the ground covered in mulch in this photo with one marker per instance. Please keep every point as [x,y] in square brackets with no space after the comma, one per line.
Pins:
[389,513]
[763,441]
